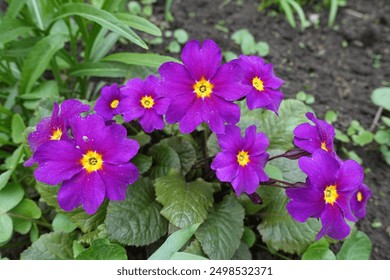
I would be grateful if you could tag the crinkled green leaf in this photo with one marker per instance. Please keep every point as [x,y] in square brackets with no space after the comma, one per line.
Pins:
[6,227]
[101,17]
[242,253]
[184,203]
[142,138]
[10,196]
[212,145]
[357,246]
[319,250]
[142,59]
[187,256]
[102,249]
[62,223]
[38,60]
[381,97]
[173,243]
[48,194]
[165,159]
[279,129]
[136,220]
[220,235]
[142,162]
[184,149]
[51,246]
[194,248]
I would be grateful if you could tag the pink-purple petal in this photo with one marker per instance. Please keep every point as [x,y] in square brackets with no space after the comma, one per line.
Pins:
[333,223]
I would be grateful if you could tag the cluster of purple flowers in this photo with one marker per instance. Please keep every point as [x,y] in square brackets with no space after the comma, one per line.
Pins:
[334,188]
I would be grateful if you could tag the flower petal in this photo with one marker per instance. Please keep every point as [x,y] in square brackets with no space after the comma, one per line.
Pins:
[333,223]
[350,176]
[192,118]
[231,140]
[245,181]
[151,121]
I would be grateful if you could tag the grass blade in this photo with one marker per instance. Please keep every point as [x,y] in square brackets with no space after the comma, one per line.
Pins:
[143,59]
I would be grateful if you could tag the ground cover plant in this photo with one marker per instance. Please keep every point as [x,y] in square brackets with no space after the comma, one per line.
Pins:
[177,158]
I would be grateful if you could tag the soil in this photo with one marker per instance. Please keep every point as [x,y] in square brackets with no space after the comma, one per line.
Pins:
[341,78]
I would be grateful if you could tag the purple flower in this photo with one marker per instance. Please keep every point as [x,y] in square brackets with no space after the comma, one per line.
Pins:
[200,89]
[313,137]
[140,100]
[327,195]
[241,160]
[107,104]
[359,201]
[264,84]
[56,126]
[94,166]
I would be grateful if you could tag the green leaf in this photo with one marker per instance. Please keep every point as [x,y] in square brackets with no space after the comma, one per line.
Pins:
[242,253]
[142,59]
[102,249]
[14,8]
[212,145]
[356,247]
[101,17]
[6,227]
[51,246]
[27,208]
[10,196]
[184,149]
[101,69]
[174,243]
[11,29]
[142,162]
[279,129]
[136,220]
[174,47]
[187,256]
[342,136]
[246,41]
[363,138]
[61,222]
[194,248]
[229,56]
[181,35]
[381,97]
[103,43]
[38,60]
[139,23]
[184,203]
[319,250]
[21,226]
[249,237]
[386,120]
[4,177]
[330,116]
[18,127]
[88,223]
[48,194]
[165,159]
[45,92]
[142,138]
[221,233]
[262,48]
[382,137]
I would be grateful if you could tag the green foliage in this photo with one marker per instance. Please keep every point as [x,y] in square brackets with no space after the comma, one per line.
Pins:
[184,203]
[102,249]
[319,250]
[165,159]
[136,220]
[247,43]
[61,222]
[356,247]
[221,233]
[306,98]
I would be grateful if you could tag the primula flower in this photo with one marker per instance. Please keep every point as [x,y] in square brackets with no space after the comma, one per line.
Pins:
[200,89]
[312,137]
[141,101]
[107,104]
[264,84]
[359,201]
[241,160]
[327,195]
[95,166]
[56,126]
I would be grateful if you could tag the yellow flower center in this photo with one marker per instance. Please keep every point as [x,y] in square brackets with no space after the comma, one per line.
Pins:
[330,194]
[114,103]
[359,196]
[203,88]
[257,84]
[92,161]
[147,102]
[56,134]
[323,146]
[243,158]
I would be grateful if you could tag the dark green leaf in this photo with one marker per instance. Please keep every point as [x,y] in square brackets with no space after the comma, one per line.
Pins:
[139,23]
[11,29]
[174,243]
[102,249]
[212,145]
[14,8]
[165,159]
[88,223]
[319,250]
[279,129]
[10,196]
[221,233]
[242,253]
[381,97]
[142,162]
[184,203]
[101,17]
[184,149]
[101,69]
[51,246]
[136,220]
[194,248]
[141,138]
[356,247]
[249,237]
[142,59]
[38,59]
[187,256]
